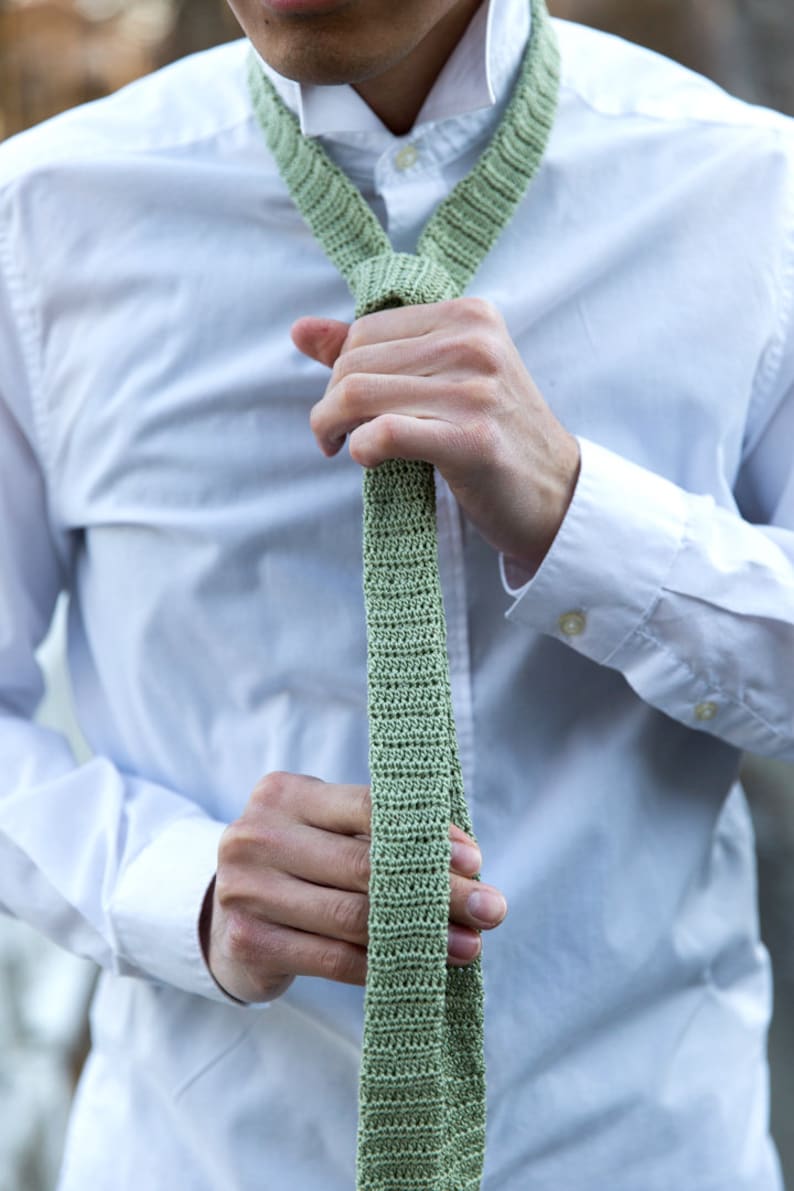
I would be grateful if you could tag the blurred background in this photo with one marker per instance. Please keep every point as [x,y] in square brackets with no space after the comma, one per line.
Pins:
[58,53]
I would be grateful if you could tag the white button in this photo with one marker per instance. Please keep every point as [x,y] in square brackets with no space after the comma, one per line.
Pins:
[572,624]
[705,712]
[406,157]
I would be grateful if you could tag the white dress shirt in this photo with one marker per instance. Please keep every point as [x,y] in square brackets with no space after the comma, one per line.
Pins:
[156,461]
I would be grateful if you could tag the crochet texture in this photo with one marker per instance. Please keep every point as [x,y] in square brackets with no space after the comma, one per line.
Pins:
[422,1083]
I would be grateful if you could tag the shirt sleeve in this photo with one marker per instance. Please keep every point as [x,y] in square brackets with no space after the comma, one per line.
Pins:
[691,603]
[110,866]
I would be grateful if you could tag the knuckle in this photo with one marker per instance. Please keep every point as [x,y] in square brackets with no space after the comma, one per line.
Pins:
[377,441]
[274,790]
[340,963]
[234,845]
[349,913]
[225,893]
[253,952]
[488,355]
[480,354]
[317,418]
[363,799]
[227,846]
[387,443]
[350,392]
[340,369]
[357,336]
[347,364]
[247,842]
[385,432]
[242,941]
[480,311]
[361,866]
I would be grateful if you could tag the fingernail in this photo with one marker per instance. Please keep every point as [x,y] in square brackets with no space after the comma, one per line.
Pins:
[487,906]
[466,858]
[462,944]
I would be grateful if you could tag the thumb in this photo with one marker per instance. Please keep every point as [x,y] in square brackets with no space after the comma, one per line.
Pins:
[320,338]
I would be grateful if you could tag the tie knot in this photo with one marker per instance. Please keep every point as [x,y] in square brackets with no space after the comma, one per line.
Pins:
[399,279]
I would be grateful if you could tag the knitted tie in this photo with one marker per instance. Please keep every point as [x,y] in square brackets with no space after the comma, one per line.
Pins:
[422,1083]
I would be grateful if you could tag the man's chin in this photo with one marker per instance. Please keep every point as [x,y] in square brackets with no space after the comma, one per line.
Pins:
[318,74]
[321,64]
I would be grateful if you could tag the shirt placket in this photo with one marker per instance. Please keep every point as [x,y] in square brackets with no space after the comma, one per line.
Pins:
[409,182]
[453,586]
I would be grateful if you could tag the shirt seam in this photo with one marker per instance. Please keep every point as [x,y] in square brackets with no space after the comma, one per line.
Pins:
[153,149]
[95,151]
[770,121]
[27,333]
[247,118]
[28,328]
[771,362]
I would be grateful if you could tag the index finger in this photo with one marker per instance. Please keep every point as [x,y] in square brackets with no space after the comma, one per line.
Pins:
[400,322]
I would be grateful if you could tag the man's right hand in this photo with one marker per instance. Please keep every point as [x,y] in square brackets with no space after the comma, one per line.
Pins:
[290,894]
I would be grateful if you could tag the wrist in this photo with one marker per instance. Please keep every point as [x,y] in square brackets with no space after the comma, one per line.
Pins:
[205,938]
[555,494]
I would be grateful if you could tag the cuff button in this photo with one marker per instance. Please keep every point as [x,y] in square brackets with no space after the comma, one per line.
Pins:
[705,712]
[572,624]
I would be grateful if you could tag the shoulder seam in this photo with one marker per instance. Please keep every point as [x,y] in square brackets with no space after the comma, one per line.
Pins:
[27,332]
[189,141]
[769,118]
[26,324]
[89,153]
[94,144]
[766,117]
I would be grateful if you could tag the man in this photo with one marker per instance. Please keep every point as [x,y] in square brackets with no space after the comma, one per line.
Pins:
[610,418]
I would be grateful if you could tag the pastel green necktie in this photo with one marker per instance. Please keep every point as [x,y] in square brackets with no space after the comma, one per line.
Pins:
[422,1082]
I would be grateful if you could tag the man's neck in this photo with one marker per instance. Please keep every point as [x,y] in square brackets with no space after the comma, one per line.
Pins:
[397,95]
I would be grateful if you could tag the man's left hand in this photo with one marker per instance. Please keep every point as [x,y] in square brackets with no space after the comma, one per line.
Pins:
[445,383]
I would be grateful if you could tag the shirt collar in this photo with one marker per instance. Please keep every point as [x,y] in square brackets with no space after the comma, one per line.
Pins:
[475,77]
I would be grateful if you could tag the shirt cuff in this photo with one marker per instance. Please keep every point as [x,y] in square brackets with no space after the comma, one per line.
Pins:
[158,902]
[607,565]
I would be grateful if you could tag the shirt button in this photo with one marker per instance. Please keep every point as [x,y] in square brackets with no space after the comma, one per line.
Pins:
[572,624]
[705,712]
[406,157]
